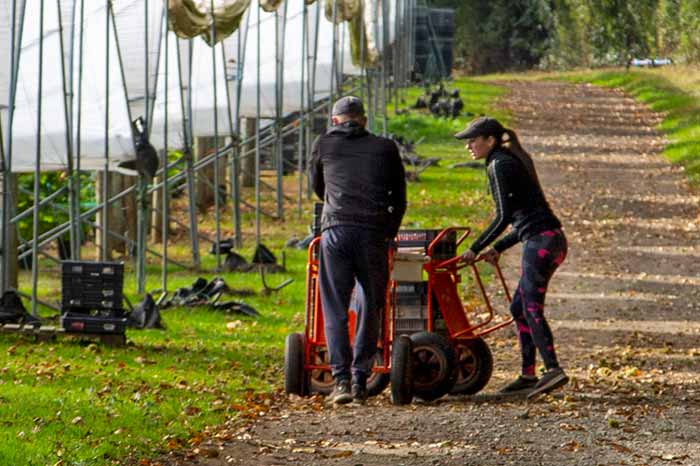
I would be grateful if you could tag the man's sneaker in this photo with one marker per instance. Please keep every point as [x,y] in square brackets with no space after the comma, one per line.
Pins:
[341,393]
[359,392]
[551,380]
[522,384]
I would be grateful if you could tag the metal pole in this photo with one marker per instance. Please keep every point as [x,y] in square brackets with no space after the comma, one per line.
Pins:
[104,250]
[376,73]
[141,195]
[142,202]
[8,202]
[186,108]
[233,174]
[363,46]
[217,211]
[37,164]
[257,136]
[302,115]
[395,55]
[67,107]
[164,230]
[312,90]
[78,134]
[240,56]
[279,102]
[385,41]
[334,58]
[341,53]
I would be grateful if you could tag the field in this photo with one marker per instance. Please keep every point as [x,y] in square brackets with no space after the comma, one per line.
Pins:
[81,403]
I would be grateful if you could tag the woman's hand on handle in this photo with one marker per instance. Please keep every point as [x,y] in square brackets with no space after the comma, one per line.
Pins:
[468,257]
[490,255]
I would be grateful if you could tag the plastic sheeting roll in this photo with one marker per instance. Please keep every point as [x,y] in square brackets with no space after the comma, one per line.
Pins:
[345,10]
[270,5]
[192,18]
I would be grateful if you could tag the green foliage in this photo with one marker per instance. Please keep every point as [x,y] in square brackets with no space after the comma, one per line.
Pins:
[505,35]
[51,215]
[689,47]
[493,35]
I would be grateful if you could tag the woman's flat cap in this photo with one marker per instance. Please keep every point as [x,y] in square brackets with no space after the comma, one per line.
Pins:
[482,126]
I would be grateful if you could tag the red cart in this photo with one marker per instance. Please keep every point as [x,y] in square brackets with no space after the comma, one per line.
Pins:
[427,347]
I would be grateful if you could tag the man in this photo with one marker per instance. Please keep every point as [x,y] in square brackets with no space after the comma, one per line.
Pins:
[361,179]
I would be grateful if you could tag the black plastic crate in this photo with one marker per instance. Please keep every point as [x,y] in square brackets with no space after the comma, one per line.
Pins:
[445,249]
[411,311]
[412,288]
[412,293]
[103,270]
[408,326]
[111,323]
[92,285]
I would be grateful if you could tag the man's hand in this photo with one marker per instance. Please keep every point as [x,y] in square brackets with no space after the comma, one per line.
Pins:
[468,257]
[490,255]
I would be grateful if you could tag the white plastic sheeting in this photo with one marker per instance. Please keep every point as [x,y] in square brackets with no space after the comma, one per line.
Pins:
[127,95]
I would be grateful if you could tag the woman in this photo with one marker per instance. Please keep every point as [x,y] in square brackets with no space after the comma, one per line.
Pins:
[521,203]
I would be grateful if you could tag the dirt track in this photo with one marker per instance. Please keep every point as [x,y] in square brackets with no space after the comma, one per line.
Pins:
[624,309]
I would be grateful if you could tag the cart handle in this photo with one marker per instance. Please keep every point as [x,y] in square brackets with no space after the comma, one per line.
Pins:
[489,307]
[443,233]
[310,251]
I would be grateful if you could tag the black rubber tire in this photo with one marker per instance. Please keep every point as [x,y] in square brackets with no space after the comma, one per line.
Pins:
[402,371]
[294,376]
[474,366]
[322,381]
[434,362]
[377,381]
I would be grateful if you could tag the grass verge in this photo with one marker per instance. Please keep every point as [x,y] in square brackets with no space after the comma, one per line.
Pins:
[79,403]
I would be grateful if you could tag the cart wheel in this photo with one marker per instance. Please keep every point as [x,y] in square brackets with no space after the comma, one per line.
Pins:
[322,381]
[474,366]
[377,381]
[294,377]
[434,362]
[401,371]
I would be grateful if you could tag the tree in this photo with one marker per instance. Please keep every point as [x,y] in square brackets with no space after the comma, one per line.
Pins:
[690,25]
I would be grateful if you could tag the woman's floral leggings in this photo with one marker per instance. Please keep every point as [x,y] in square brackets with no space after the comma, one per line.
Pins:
[542,254]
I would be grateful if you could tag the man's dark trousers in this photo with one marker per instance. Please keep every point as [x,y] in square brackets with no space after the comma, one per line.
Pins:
[350,252]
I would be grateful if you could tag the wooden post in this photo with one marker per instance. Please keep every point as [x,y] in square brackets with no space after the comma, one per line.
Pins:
[204,176]
[204,192]
[117,213]
[248,160]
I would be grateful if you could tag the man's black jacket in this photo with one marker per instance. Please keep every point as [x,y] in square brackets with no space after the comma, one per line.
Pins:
[360,178]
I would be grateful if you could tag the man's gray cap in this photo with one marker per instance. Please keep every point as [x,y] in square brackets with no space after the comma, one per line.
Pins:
[349,105]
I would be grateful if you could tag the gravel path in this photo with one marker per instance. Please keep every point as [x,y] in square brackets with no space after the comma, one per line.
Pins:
[624,308]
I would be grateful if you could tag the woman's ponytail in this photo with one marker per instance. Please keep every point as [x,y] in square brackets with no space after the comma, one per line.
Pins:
[512,144]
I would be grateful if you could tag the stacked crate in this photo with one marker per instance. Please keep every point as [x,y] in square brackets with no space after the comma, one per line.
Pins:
[420,239]
[411,290]
[411,307]
[92,297]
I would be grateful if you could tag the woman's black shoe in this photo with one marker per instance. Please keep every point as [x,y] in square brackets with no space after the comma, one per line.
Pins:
[519,385]
[551,380]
